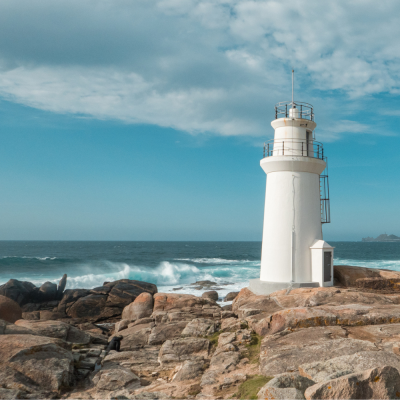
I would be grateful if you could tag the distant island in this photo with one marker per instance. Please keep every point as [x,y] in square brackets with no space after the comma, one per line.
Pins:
[382,238]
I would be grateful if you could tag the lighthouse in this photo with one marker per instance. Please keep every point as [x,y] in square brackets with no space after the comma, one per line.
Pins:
[294,253]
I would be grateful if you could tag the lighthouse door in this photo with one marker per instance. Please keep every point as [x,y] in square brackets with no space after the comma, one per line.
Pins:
[327,266]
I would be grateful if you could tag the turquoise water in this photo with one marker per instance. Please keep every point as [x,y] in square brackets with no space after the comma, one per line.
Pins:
[167,264]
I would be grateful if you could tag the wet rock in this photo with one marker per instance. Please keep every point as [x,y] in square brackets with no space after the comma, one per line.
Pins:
[376,383]
[162,332]
[10,310]
[61,286]
[35,361]
[199,327]
[19,291]
[212,295]
[323,370]
[190,369]
[174,351]
[285,351]
[231,296]
[115,379]
[56,329]
[204,284]
[48,291]
[142,307]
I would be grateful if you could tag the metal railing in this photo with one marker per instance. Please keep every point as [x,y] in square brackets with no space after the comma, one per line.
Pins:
[302,110]
[294,147]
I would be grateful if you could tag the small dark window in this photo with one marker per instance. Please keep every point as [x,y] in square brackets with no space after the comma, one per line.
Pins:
[327,266]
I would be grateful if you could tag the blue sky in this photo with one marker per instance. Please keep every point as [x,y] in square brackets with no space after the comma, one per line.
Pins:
[145,120]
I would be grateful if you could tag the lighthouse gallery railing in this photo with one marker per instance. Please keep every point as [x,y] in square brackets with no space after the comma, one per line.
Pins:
[294,147]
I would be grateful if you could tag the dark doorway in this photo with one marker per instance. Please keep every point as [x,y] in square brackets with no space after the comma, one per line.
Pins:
[327,266]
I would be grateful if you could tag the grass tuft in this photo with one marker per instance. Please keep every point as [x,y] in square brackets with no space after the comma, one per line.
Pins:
[253,349]
[250,388]
[214,338]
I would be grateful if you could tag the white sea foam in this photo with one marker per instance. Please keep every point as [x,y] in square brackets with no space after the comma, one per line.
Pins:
[212,260]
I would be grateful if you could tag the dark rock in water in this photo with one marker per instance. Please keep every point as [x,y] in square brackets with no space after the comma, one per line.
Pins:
[10,310]
[212,295]
[61,286]
[204,283]
[48,291]
[231,296]
[19,291]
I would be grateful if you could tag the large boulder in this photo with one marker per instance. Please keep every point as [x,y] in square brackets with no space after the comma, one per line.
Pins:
[19,291]
[31,362]
[10,310]
[56,329]
[48,291]
[367,277]
[103,302]
[376,383]
[141,307]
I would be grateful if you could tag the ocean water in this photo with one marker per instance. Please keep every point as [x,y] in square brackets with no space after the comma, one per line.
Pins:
[172,266]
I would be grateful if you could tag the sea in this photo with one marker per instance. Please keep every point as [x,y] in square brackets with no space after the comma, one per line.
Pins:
[172,266]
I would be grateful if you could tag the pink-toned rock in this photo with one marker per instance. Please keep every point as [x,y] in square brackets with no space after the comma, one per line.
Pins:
[36,361]
[286,351]
[141,307]
[10,310]
[376,383]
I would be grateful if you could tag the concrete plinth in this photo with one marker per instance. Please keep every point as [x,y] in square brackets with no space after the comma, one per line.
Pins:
[260,287]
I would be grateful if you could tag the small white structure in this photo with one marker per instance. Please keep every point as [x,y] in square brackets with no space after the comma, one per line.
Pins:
[296,204]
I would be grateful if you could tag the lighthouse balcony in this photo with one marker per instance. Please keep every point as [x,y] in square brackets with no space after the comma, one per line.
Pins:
[294,109]
[294,147]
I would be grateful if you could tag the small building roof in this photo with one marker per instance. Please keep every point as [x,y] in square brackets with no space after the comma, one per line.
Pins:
[321,244]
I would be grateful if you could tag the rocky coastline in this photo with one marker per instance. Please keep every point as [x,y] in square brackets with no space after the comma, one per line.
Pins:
[308,343]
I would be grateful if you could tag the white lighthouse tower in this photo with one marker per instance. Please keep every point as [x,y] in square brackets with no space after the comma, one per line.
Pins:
[294,253]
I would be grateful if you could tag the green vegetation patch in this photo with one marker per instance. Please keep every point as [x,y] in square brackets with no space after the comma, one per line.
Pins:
[250,388]
[214,338]
[253,348]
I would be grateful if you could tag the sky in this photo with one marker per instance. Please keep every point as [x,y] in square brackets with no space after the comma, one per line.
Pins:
[145,120]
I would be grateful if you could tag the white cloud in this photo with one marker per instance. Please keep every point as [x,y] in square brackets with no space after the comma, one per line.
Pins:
[199,66]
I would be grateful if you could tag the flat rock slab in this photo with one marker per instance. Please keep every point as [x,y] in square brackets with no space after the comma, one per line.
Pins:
[285,351]
[376,383]
[323,370]
[348,315]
